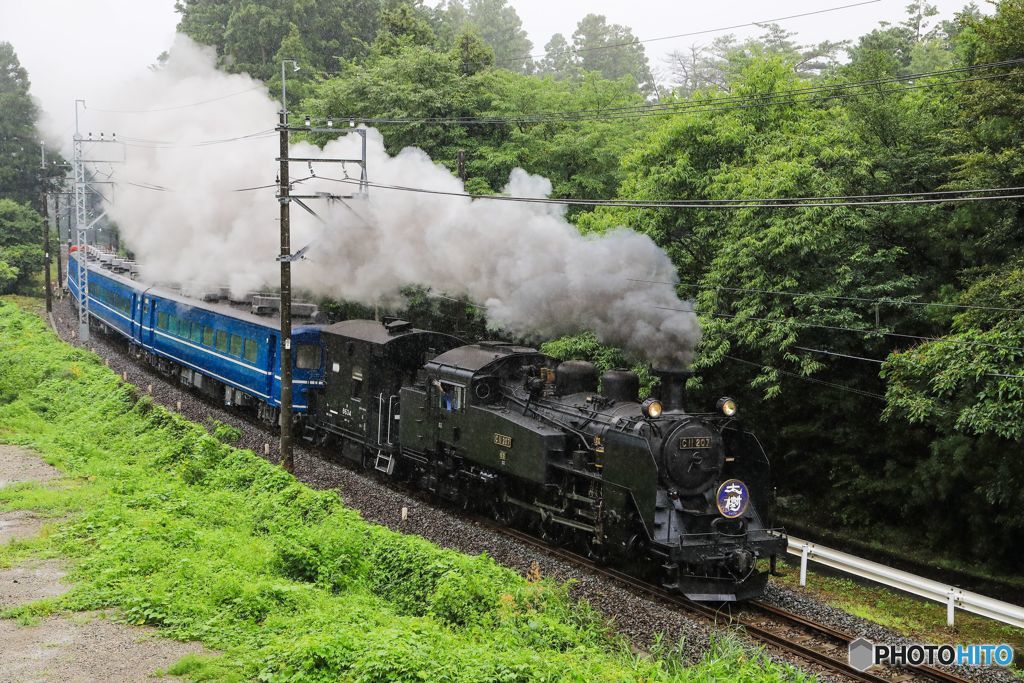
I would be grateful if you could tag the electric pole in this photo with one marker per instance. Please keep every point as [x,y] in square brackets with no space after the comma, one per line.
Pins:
[285,198]
[81,238]
[287,457]
[56,220]
[44,182]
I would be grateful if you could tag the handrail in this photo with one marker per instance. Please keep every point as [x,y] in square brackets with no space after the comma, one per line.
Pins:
[952,596]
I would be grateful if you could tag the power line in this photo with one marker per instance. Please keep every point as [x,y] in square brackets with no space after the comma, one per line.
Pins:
[880,362]
[812,380]
[828,91]
[692,33]
[883,333]
[695,204]
[811,295]
[168,144]
[177,107]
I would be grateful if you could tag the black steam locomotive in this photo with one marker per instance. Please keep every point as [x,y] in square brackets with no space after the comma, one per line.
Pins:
[667,494]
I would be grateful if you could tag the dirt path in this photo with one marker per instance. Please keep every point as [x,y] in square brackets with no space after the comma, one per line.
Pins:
[78,648]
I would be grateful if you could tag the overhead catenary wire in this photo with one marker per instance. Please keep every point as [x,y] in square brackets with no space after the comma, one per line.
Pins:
[878,361]
[176,107]
[719,29]
[690,204]
[169,144]
[837,297]
[856,330]
[826,92]
[805,378]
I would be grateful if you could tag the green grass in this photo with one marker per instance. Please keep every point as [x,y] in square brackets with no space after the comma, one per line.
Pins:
[919,619]
[169,526]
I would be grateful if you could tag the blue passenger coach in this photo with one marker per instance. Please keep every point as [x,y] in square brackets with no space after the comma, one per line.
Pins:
[224,352]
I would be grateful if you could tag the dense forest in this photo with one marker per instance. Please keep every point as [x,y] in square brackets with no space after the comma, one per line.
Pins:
[878,350]
[21,226]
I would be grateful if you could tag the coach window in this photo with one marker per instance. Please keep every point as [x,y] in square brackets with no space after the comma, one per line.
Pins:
[307,356]
[236,345]
[197,333]
[207,336]
[222,340]
[251,350]
[172,325]
[161,321]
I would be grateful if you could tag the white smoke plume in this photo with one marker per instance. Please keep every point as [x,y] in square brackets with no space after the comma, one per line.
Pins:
[178,205]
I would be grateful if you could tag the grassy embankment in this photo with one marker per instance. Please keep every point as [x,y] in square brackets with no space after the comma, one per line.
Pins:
[171,526]
[919,619]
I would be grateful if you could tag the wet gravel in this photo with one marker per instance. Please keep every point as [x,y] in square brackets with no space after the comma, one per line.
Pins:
[804,604]
[639,618]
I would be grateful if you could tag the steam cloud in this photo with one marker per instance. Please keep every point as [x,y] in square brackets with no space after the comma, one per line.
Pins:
[178,208]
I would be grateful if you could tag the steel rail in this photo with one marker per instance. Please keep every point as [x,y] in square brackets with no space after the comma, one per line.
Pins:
[760,633]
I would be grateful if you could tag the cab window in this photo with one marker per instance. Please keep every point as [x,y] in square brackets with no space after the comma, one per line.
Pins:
[449,396]
[307,356]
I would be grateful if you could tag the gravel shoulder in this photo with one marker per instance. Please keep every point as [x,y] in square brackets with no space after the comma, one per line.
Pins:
[78,648]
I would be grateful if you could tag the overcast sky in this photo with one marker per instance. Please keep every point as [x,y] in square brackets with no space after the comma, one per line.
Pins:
[72,46]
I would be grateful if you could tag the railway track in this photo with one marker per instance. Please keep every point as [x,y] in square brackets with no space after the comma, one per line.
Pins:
[816,643]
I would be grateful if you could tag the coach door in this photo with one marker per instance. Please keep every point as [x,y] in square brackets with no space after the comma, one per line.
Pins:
[148,321]
[136,316]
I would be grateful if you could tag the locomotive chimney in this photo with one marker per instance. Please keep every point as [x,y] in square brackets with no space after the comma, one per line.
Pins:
[670,387]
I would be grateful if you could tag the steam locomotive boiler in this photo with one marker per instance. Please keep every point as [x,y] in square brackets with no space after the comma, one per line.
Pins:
[671,495]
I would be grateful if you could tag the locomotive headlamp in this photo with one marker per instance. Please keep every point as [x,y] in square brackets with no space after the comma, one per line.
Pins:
[652,408]
[727,406]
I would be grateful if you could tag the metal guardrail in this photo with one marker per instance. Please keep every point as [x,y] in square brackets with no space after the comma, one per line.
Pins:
[953,597]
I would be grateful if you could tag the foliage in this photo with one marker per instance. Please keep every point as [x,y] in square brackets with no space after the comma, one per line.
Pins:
[21,254]
[597,46]
[581,160]
[248,33]
[716,65]
[495,22]
[180,531]
[19,142]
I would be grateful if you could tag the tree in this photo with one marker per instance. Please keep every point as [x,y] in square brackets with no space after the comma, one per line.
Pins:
[20,251]
[724,59]
[402,26]
[473,53]
[612,50]
[19,142]
[559,60]
[495,21]
[968,388]
[248,34]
